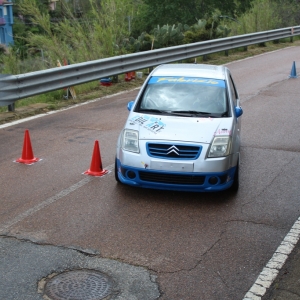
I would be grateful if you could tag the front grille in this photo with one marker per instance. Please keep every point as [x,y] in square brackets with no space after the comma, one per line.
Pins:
[171,178]
[173,151]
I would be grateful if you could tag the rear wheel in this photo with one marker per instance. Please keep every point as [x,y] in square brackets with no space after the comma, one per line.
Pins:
[236,179]
[116,171]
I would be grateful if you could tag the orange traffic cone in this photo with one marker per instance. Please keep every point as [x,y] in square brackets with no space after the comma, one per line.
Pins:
[27,153]
[96,164]
[132,75]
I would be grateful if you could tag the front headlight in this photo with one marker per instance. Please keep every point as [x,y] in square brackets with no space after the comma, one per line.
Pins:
[130,140]
[220,146]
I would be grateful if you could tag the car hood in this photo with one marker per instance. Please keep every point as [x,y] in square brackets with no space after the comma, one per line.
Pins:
[189,129]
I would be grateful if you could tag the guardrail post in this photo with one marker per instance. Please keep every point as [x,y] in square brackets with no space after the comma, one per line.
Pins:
[292,32]
[263,44]
[115,79]
[205,57]
[11,107]
[226,53]
[150,69]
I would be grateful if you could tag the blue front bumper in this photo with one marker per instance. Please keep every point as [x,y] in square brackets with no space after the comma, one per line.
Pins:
[178,181]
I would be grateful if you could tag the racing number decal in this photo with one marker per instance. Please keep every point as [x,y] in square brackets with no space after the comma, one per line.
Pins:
[151,123]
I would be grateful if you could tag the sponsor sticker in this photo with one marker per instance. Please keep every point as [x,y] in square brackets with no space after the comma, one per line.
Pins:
[222,132]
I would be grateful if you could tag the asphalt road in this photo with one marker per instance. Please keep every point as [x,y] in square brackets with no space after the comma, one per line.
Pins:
[152,244]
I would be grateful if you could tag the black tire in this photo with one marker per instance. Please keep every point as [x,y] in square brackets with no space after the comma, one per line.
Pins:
[236,180]
[116,172]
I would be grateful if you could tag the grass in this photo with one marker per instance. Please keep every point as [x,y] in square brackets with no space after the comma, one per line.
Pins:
[93,90]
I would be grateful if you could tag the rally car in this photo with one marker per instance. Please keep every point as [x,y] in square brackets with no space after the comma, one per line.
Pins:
[183,131]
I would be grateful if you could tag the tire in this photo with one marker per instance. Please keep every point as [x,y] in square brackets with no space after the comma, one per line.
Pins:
[236,179]
[116,171]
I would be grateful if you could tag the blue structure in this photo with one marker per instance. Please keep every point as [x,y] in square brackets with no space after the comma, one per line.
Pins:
[6,22]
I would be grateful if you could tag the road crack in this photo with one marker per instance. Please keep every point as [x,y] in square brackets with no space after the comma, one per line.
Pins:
[288,291]
[253,222]
[268,185]
[86,252]
[273,149]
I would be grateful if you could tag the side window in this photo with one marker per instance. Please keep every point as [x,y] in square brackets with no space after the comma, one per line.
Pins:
[233,91]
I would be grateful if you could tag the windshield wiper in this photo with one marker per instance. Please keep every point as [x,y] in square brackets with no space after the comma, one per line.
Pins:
[192,112]
[201,113]
[167,112]
[183,113]
[152,110]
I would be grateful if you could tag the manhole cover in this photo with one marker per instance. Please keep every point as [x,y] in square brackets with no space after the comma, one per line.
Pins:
[79,285]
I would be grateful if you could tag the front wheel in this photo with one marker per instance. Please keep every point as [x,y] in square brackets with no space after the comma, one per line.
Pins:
[116,171]
[236,179]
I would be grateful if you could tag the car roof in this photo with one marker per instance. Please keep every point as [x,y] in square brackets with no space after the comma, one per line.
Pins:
[191,70]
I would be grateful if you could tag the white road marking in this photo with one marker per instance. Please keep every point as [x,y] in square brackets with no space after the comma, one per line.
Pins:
[271,270]
[51,200]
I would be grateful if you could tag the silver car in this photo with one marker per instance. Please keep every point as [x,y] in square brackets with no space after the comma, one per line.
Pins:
[183,131]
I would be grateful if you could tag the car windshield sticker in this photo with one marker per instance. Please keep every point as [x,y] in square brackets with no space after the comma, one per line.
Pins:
[187,80]
[151,123]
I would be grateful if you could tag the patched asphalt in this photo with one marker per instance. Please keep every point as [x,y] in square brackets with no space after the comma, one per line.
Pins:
[23,265]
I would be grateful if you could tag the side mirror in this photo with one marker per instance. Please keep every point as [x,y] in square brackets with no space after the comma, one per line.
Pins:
[238,111]
[129,105]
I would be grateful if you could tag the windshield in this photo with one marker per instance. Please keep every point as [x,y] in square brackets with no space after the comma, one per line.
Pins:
[184,95]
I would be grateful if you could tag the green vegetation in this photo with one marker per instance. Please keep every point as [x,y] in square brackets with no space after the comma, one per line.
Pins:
[79,31]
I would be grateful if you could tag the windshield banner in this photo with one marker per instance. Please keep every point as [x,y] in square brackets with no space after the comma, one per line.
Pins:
[187,80]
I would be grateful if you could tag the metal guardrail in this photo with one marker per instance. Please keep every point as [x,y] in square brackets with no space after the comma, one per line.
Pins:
[16,87]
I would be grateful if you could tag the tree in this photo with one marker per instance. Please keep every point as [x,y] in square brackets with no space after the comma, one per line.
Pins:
[288,12]
[160,12]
